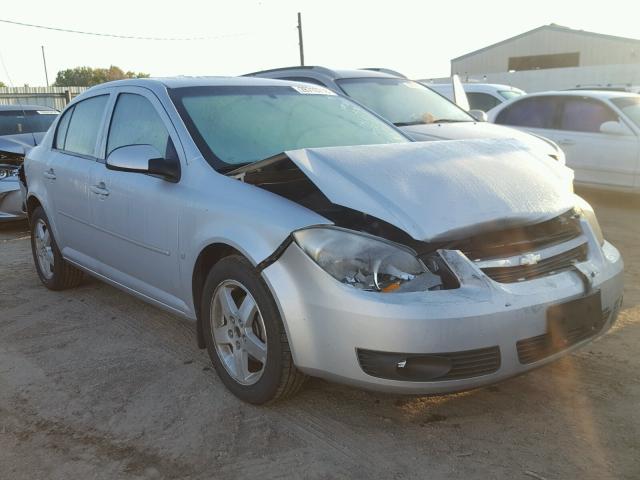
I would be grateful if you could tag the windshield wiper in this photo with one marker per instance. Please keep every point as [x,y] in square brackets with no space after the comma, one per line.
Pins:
[449,120]
[408,124]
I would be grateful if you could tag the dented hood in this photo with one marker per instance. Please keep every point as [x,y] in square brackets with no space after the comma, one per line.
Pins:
[441,190]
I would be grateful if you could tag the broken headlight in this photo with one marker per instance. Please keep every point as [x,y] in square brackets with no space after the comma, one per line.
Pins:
[364,261]
[7,171]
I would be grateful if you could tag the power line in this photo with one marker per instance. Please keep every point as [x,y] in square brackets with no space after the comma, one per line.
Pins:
[127,37]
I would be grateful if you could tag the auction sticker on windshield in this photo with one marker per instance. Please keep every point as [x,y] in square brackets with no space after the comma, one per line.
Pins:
[312,90]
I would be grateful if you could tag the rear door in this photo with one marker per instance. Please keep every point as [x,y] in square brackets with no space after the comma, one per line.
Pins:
[67,174]
[135,215]
[596,157]
[537,114]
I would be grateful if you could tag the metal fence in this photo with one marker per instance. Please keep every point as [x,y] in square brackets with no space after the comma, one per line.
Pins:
[54,97]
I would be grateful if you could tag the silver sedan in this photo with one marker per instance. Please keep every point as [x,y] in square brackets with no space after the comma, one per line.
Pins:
[306,236]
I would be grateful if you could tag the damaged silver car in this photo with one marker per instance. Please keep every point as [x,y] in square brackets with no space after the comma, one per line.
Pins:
[307,236]
[21,127]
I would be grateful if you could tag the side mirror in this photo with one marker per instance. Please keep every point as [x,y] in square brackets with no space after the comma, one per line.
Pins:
[614,128]
[143,159]
[479,115]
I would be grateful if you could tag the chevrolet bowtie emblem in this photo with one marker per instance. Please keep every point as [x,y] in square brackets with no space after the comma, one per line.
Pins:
[530,259]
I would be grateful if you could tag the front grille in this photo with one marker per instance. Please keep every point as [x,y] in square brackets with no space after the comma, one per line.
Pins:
[548,266]
[537,348]
[430,366]
[513,241]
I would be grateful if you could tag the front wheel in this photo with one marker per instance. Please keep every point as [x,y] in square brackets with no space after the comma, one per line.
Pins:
[245,336]
[54,271]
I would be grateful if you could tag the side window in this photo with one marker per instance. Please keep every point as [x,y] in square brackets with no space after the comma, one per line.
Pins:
[585,115]
[482,101]
[535,112]
[63,125]
[86,119]
[135,121]
[305,80]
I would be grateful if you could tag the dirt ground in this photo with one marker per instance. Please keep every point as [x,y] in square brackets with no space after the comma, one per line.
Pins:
[95,384]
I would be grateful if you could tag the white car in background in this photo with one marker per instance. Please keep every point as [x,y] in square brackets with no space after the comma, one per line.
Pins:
[599,131]
[481,96]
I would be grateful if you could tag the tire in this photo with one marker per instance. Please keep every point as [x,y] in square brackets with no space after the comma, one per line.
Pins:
[233,337]
[54,271]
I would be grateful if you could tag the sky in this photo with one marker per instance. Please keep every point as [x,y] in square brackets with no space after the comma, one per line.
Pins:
[417,38]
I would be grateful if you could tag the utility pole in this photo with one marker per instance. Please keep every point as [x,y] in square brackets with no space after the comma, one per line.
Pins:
[44,61]
[300,44]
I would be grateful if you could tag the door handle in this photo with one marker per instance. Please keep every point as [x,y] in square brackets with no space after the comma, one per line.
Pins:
[50,174]
[100,189]
[566,142]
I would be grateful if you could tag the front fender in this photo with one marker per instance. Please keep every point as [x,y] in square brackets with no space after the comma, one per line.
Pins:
[255,223]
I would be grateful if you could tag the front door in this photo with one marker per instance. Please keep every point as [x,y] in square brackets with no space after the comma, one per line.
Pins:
[596,157]
[135,215]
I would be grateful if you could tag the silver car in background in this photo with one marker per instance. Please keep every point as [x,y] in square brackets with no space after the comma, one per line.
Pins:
[307,236]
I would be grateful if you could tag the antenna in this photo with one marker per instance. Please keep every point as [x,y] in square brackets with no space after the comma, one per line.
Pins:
[300,44]
[44,61]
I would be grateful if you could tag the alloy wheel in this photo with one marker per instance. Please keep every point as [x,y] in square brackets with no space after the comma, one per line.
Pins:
[238,331]
[44,249]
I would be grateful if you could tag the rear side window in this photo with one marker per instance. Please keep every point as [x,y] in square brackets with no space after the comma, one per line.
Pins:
[482,101]
[63,126]
[534,112]
[585,115]
[86,119]
[135,121]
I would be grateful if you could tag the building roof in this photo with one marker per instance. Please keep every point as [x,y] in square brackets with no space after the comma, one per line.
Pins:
[552,27]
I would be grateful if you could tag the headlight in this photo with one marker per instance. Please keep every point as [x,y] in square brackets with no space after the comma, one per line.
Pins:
[586,211]
[8,171]
[364,261]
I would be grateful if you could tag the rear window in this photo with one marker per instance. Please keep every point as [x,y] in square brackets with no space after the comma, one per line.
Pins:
[482,101]
[14,122]
[534,112]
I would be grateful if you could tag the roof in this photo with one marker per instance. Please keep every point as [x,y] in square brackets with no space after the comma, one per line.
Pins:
[17,107]
[552,27]
[600,94]
[330,72]
[158,84]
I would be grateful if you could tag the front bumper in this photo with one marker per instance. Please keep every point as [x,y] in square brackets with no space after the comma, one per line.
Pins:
[11,200]
[328,323]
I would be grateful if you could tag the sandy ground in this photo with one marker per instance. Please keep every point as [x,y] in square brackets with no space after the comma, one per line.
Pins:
[96,384]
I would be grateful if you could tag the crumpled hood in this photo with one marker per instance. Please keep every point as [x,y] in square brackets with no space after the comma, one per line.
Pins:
[473,130]
[441,190]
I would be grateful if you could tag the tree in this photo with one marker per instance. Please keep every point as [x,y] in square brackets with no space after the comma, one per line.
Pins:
[2,85]
[87,76]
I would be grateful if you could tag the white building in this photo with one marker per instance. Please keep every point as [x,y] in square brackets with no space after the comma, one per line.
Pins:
[554,57]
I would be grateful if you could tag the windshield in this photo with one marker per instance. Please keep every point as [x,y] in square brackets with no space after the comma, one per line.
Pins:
[630,106]
[238,125]
[509,94]
[13,122]
[403,102]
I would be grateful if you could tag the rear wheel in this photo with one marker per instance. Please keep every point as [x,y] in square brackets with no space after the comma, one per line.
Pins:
[245,335]
[54,271]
